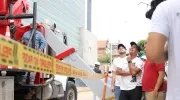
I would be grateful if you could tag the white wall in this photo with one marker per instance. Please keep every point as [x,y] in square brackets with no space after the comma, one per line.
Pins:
[88,46]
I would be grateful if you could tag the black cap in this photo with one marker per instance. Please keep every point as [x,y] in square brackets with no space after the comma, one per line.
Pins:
[121,45]
[137,46]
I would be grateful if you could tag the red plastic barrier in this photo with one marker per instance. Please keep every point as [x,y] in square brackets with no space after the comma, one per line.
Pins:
[65,53]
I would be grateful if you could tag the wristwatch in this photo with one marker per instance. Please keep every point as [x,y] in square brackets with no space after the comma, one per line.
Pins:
[129,62]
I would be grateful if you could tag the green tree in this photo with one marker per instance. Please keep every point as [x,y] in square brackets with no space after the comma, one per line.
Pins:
[141,44]
[105,59]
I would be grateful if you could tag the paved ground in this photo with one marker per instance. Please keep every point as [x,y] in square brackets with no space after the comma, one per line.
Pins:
[84,93]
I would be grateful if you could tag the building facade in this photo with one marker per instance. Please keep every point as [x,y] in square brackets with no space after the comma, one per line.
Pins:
[68,15]
[103,47]
[115,53]
[114,49]
[88,46]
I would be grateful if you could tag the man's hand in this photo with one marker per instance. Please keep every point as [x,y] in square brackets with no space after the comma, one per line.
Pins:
[119,71]
[129,58]
[25,42]
[155,93]
[112,88]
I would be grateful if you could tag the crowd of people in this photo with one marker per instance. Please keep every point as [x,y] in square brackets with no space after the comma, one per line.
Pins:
[135,78]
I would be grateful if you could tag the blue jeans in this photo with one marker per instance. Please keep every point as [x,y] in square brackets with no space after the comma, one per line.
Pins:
[117,92]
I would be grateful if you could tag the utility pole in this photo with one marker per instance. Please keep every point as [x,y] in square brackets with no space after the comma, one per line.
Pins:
[111,53]
[89,14]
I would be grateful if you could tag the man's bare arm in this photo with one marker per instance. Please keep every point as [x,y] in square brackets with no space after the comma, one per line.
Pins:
[155,47]
[119,71]
[113,78]
[160,80]
[133,69]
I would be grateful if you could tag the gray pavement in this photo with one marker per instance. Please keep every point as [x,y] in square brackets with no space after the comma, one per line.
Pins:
[84,93]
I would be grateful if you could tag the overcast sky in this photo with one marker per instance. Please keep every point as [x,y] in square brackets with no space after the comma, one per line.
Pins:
[122,20]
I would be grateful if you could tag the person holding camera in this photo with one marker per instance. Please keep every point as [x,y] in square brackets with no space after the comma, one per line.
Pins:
[165,26]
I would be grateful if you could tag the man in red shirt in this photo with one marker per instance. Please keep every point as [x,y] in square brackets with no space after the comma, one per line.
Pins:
[153,82]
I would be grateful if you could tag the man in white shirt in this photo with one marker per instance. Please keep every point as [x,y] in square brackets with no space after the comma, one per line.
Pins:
[165,26]
[116,63]
[132,65]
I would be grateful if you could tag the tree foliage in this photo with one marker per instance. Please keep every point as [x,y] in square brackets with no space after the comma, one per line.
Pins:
[141,44]
[105,59]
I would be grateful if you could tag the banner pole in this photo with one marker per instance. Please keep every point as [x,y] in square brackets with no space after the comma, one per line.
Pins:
[105,85]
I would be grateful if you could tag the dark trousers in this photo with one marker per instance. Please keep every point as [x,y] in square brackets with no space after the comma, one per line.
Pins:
[134,94]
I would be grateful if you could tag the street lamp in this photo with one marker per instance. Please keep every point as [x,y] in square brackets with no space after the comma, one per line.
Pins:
[146,9]
[144,3]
